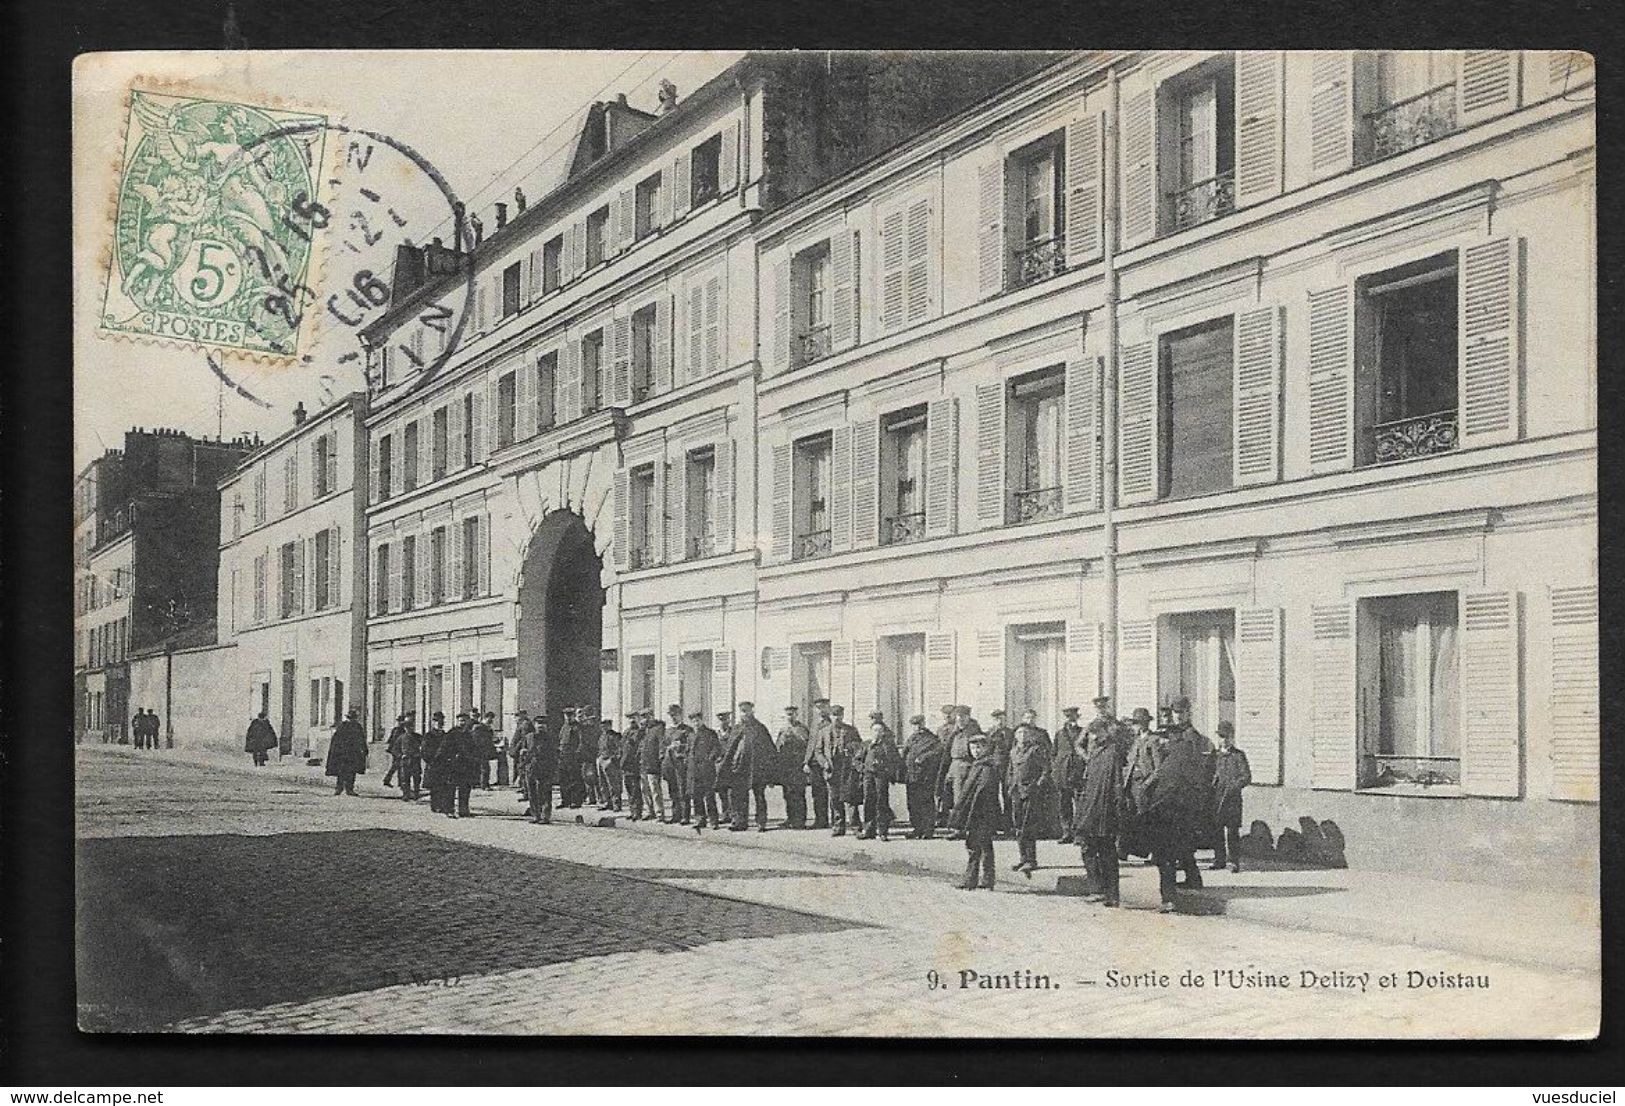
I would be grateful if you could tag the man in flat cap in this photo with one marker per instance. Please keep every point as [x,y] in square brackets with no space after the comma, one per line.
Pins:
[834,757]
[1178,806]
[922,772]
[975,816]
[1066,741]
[674,764]
[1001,740]
[608,765]
[729,736]
[703,754]
[754,767]
[1144,754]
[947,727]
[434,771]
[819,727]
[792,744]
[959,750]
[1231,774]
[631,766]
[651,757]
[410,768]
[879,768]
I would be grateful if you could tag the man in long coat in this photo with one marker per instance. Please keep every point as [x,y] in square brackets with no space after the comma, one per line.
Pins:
[755,766]
[434,774]
[792,745]
[392,746]
[728,736]
[571,791]
[1098,810]
[1002,739]
[879,767]
[631,767]
[821,722]
[947,729]
[522,729]
[922,772]
[1066,747]
[703,753]
[651,756]
[463,756]
[587,727]
[1033,803]
[1231,775]
[1180,728]
[485,742]
[347,753]
[260,739]
[1176,809]
[1143,756]
[959,751]
[975,816]
[541,769]
[674,764]
[609,765]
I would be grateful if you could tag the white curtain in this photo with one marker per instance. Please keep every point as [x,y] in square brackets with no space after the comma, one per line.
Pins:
[1043,461]
[904,685]
[1442,684]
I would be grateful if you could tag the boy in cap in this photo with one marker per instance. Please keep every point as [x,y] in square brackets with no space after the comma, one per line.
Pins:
[975,816]
[1231,774]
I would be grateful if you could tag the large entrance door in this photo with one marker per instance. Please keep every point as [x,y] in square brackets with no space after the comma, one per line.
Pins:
[285,734]
[561,602]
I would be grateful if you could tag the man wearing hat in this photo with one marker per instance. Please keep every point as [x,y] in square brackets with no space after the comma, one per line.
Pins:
[1180,728]
[879,767]
[959,751]
[831,757]
[347,753]
[651,756]
[410,764]
[728,738]
[674,764]
[434,743]
[754,767]
[485,743]
[821,723]
[631,765]
[704,751]
[1001,739]
[541,769]
[1178,805]
[587,724]
[392,746]
[608,765]
[1143,756]
[1231,774]
[792,745]
[1031,779]
[922,773]
[946,729]
[1100,803]
[461,749]
[976,815]
[522,729]
[571,792]
[1066,748]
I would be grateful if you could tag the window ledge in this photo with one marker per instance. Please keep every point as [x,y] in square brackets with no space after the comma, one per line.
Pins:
[1416,791]
[714,560]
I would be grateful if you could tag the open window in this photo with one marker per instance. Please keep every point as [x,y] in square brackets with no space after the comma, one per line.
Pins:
[812,497]
[510,290]
[1035,433]
[1196,134]
[902,476]
[552,263]
[1196,658]
[646,517]
[1410,100]
[506,410]
[592,372]
[699,501]
[1408,655]
[643,353]
[705,171]
[598,236]
[1036,220]
[1406,372]
[646,207]
[810,338]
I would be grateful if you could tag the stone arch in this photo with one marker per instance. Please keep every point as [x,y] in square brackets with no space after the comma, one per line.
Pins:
[559,621]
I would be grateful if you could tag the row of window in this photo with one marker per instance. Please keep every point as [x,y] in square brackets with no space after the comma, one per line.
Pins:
[106,644]
[669,512]
[323,482]
[326,704]
[93,592]
[425,690]
[447,564]
[308,578]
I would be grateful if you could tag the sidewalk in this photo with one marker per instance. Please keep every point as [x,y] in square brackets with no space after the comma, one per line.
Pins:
[1547,928]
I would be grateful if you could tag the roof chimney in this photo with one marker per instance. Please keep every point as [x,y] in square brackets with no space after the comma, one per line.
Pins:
[299,413]
[502,215]
[620,98]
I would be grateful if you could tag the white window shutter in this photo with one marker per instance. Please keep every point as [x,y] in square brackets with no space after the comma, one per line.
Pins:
[425,450]
[1139,168]
[1331,379]
[672,688]
[1259,119]
[1256,456]
[1084,202]
[1332,715]
[990,251]
[728,162]
[779,357]
[1082,473]
[1486,85]
[990,490]
[482,308]
[396,575]
[305,594]
[663,200]
[989,671]
[918,240]
[1548,73]
[1139,409]
[713,325]
[625,220]
[1136,666]
[843,308]
[335,561]
[484,562]
[1572,707]
[841,490]
[865,484]
[941,467]
[1331,113]
[373,483]
[662,345]
[893,243]
[1258,690]
[534,291]
[1488,354]
[681,199]
[941,662]
[722,679]
[677,510]
[423,570]
[694,334]
[476,428]
[620,375]
[722,508]
[524,416]
[1082,662]
[459,550]
[840,676]
[619,509]
[1491,730]
[318,468]
[783,481]
[865,683]
[570,371]
[657,538]
[456,430]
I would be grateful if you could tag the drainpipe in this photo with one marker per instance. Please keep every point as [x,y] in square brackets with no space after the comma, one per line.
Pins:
[1108,427]
[169,696]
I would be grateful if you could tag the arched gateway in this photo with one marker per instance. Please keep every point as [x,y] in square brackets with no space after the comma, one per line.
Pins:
[560,617]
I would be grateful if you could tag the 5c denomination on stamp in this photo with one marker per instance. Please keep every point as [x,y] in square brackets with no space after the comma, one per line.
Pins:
[211,247]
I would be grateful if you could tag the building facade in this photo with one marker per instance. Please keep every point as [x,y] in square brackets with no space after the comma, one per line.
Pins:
[1263,378]
[293,578]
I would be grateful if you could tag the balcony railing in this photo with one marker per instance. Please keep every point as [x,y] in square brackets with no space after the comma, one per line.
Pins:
[813,345]
[1417,436]
[902,528]
[814,543]
[1038,261]
[1034,504]
[1384,770]
[1204,200]
[1411,122]
[702,544]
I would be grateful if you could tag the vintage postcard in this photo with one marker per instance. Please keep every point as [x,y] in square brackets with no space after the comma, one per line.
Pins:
[1085,544]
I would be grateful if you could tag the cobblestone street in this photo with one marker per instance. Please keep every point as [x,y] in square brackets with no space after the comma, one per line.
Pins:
[211,899]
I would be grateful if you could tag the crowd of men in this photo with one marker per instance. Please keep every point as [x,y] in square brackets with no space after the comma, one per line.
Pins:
[1113,787]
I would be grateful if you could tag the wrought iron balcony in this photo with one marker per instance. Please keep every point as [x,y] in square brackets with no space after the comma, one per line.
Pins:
[814,543]
[702,544]
[1411,122]
[1035,504]
[1038,261]
[1204,200]
[1385,770]
[1417,436]
[814,344]
[902,528]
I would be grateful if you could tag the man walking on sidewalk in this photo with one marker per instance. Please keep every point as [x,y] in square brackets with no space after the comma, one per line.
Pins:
[411,758]
[347,753]
[1231,775]
[261,738]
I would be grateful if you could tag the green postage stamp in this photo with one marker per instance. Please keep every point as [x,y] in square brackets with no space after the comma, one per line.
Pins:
[217,224]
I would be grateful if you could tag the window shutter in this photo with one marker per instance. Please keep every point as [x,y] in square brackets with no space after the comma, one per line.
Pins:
[483,564]
[1136,666]
[1259,117]
[677,510]
[840,674]
[482,306]
[335,587]
[318,467]
[570,371]
[459,553]
[990,494]
[663,199]
[657,539]
[1573,715]
[865,484]
[989,670]
[455,430]
[842,491]
[782,480]
[865,683]
[722,508]
[1258,690]
[728,162]
[1083,198]
[713,324]
[620,376]
[780,355]
[843,308]
[1548,73]
[1488,353]
[892,255]
[426,449]
[1487,85]
[332,461]
[940,665]
[377,488]
[1082,662]
[989,228]
[1331,379]
[476,427]
[662,345]
[259,588]
[534,292]
[1138,415]
[396,575]
[917,262]
[941,467]
[694,334]
[423,570]
[1082,475]
[1139,197]
[1257,416]
[1492,738]
[625,221]
[1332,718]
[305,596]
[680,198]
[621,539]
[722,679]
[524,416]
[397,461]
[673,687]
[1331,113]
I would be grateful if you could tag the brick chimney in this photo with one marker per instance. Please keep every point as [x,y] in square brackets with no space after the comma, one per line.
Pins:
[299,415]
